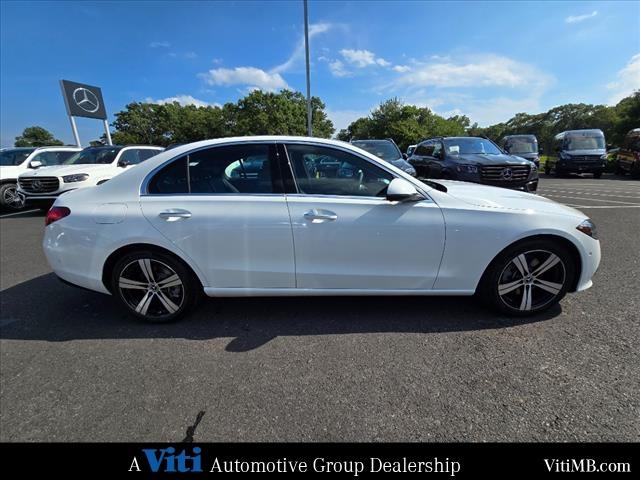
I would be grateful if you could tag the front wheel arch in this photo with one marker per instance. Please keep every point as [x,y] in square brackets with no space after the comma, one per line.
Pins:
[112,260]
[570,246]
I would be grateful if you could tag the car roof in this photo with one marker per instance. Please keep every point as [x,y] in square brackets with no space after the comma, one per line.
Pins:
[521,135]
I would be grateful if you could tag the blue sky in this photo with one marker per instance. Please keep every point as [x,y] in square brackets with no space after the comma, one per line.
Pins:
[488,60]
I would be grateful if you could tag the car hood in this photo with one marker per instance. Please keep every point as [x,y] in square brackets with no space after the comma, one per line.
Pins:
[526,156]
[10,171]
[504,198]
[482,159]
[61,170]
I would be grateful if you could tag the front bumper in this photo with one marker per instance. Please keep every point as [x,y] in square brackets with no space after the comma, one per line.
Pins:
[576,167]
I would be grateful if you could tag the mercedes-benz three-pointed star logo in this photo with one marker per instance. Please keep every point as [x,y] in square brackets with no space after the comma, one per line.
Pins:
[507,173]
[86,100]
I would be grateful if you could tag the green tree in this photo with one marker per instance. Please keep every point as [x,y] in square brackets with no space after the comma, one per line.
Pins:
[405,124]
[36,137]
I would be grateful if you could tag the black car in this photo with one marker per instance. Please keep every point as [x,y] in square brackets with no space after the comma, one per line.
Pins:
[577,151]
[525,146]
[628,156]
[388,151]
[473,159]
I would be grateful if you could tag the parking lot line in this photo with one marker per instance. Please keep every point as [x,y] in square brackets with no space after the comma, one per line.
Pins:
[609,194]
[603,206]
[18,213]
[592,199]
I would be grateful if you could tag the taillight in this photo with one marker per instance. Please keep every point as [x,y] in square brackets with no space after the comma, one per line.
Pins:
[637,154]
[56,213]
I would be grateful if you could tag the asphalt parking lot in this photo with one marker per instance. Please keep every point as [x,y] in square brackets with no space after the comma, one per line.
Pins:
[73,367]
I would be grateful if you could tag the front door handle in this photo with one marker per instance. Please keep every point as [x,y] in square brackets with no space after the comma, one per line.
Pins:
[319,215]
[173,214]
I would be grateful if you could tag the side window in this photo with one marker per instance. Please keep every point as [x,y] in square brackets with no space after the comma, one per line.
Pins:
[437,150]
[328,171]
[424,149]
[52,158]
[131,156]
[147,153]
[231,169]
[171,178]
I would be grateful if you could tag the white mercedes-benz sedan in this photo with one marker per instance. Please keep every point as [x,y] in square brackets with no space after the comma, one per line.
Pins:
[278,216]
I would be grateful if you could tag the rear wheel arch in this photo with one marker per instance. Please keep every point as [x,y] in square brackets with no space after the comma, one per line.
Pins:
[568,244]
[113,258]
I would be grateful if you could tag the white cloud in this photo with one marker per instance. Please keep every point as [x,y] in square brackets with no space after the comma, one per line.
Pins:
[250,76]
[191,55]
[479,71]
[298,53]
[627,80]
[182,100]
[401,68]
[163,44]
[338,69]
[580,18]
[362,58]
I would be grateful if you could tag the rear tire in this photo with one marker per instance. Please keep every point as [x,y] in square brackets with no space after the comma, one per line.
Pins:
[528,277]
[155,287]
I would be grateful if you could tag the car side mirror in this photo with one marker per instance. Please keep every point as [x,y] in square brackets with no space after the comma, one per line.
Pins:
[123,163]
[609,146]
[541,150]
[35,164]
[404,156]
[400,190]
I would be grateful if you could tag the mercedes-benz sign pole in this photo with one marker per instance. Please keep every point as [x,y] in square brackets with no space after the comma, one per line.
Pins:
[306,48]
[84,101]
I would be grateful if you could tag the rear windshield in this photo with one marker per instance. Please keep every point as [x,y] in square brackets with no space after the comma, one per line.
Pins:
[93,156]
[384,150]
[585,141]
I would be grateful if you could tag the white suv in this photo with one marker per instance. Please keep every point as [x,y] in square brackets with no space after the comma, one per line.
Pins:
[15,161]
[87,168]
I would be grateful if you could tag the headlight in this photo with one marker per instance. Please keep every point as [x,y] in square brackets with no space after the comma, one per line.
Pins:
[588,228]
[467,168]
[78,177]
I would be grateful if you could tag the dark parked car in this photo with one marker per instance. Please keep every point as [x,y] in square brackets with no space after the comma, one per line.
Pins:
[473,159]
[577,151]
[388,151]
[525,146]
[628,156]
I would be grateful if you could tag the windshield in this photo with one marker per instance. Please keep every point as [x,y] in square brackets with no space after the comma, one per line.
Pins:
[587,141]
[462,146]
[385,150]
[10,158]
[523,145]
[93,156]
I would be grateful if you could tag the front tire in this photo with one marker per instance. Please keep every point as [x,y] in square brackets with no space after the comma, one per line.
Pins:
[528,277]
[10,198]
[154,287]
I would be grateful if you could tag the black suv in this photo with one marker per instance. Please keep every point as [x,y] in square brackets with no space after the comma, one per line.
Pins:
[473,159]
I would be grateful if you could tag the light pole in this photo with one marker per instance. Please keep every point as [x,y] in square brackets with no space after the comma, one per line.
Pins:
[306,48]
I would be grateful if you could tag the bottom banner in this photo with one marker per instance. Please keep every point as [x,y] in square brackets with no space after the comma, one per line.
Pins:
[457,460]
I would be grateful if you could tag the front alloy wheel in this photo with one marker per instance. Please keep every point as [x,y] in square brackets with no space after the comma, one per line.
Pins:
[528,277]
[532,280]
[156,288]
[11,198]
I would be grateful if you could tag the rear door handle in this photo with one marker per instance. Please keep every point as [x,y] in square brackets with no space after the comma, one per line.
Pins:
[319,215]
[173,214]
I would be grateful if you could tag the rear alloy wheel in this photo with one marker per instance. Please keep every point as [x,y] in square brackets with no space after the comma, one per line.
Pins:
[154,287]
[10,197]
[529,278]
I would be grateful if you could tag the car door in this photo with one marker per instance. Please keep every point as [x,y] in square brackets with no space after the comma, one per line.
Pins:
[347,235]
[224,207]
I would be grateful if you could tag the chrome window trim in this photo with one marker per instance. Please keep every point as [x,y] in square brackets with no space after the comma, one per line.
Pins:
[144,187]
[147,179]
